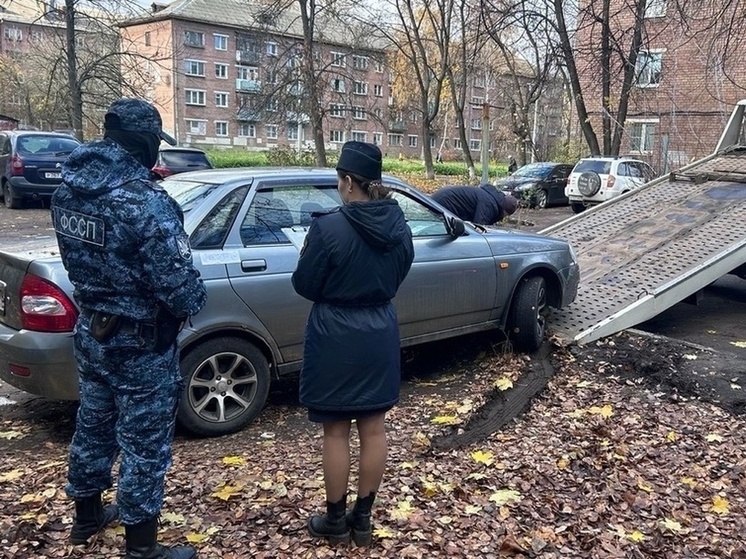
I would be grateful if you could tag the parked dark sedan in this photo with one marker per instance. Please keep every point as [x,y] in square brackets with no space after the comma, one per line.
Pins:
[31,162]
[174,160]
[538,184]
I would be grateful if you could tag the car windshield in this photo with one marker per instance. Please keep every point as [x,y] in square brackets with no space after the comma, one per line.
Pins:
[188,194]
[28,145]
[185,159]
[593,165]
[539,170]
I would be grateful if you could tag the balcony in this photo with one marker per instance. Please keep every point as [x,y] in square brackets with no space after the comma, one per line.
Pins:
[248,115]
[249,86]
[397,126]
[248,57]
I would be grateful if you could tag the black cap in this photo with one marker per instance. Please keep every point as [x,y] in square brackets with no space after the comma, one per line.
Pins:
[136,115]
[361,159]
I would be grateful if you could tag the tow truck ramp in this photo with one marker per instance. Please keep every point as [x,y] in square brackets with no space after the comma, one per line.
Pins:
[653,247]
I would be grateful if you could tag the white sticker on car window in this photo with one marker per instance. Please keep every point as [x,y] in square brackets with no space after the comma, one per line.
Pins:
[211,258]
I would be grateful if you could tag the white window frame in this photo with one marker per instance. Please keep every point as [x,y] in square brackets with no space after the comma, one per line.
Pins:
[222,75]
[271,48]
[221,96]
[339,59]
[360,88]
[359,113]
[215,39]
[475,144]
[292,133]
[196,34]
[646,136]
[192,67]
[196,126]
[359,136]
[273,104]
[248,73]
[13,34]
[413,140]
[336,110]
[270,131]
[246,130]
[338,85]
[655,8]
[396,140]
[477,100]
[378,90]
[359,62]
[189,95]
[221,124]
[337,136]
[379,66]
[479,80]
[476,123]
[645,71]
[457,143]
[378,138]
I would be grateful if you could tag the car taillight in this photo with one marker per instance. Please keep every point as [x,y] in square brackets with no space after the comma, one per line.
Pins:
[162,172]
[16,165]
[610,181]
[45,307]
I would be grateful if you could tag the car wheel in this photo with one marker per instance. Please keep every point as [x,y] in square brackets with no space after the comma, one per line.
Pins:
[226,386]
[541,198]
[528,314]
[589,183]
[577,207]
[11,201]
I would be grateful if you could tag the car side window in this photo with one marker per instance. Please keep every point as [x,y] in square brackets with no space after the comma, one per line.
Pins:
[623,170]
[561,173]
[422,221]
[5,150]
[213,230]
[275,208]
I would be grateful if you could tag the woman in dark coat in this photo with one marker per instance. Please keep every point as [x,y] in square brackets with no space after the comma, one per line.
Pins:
[352,263]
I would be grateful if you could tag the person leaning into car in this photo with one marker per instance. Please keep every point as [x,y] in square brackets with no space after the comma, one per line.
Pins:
[484,204]
[352,263]
[123,245]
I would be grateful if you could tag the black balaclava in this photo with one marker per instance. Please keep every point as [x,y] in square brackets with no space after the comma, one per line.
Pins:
[143,146]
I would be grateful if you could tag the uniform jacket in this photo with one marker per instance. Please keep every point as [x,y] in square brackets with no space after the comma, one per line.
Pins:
[121,237]
[354,259]
[483,205]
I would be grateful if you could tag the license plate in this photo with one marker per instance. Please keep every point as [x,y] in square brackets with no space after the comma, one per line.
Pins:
[2,298]
[52,175]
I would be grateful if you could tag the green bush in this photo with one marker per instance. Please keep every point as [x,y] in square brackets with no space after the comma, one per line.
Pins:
[222,158]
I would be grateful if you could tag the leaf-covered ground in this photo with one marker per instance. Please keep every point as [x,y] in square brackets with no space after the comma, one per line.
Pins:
[602,464]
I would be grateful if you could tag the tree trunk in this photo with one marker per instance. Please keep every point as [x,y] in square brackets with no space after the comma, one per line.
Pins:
[76,97]
[312,104]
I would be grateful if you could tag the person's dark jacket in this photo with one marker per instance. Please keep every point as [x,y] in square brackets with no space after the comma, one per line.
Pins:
[484,204]
[352,263]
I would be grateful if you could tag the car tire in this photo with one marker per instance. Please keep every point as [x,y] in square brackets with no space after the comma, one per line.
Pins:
[226,386]
[577,207]
[541,199]
[11,202]
[528,314]
[589,183]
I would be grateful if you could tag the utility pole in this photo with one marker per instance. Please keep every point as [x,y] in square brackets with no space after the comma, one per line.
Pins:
[485,142]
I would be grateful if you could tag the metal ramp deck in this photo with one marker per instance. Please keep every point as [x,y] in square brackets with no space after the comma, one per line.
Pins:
[649,249]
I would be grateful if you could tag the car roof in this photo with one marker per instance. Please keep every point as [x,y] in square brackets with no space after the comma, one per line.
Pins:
[179,148]
[38,133]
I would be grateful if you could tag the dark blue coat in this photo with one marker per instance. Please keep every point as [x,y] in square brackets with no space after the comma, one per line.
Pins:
[483,205]
[354,259]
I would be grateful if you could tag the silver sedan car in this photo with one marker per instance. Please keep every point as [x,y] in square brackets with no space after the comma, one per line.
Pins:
[246,227]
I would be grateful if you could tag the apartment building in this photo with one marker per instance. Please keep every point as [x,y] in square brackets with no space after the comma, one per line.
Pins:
[686,84]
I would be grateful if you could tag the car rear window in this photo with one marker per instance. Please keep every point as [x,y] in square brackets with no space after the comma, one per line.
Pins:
[534,170]
[185,159]
[593,165]
[28,145]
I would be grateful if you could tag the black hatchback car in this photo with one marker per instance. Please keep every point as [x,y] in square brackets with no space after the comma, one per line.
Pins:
[538,184]
[31,162]
[173,160]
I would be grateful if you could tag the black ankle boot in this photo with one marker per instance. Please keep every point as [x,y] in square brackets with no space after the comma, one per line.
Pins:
[332,525]
[91,516]
[142,543]
[359,521]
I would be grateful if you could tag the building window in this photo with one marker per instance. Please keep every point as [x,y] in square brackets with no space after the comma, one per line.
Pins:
[475,145]
[271,131]
[36,36]
[377,138]
[221,99]
[413,141]
[378,90]
[221,71]
[656,8]
[476,123]
[273,104]
[378,111]
[198,127]
[194,39]
[13,34]
[360,62]
[395,140]
[339,59]
[360,88]
[221,42]
[456,143]
[479,81]
[641,136]
[221,128]
[432,141]
[194,68]
[337,136]
[338,85]
[413,117]
[147,38]
[336,111]
[359,136]
[247,131]
[271,49]
[379,66]
[271,76]
[477,100]
[195,96]
[292,132]
[249,73]
[359,113]
[649,68]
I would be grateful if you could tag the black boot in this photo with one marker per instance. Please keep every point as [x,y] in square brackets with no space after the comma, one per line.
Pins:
[90,518]
[332,525]
[142,543]
[359,520]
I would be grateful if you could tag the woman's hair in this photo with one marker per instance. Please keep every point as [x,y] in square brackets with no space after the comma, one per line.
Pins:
[374,188]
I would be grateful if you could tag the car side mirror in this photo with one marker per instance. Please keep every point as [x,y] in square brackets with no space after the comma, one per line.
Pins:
[454,226]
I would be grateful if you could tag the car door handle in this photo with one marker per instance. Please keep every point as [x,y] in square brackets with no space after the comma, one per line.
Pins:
[253,265]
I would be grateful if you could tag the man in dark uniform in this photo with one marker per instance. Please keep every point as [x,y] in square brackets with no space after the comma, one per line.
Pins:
[485,204]
[122,242]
